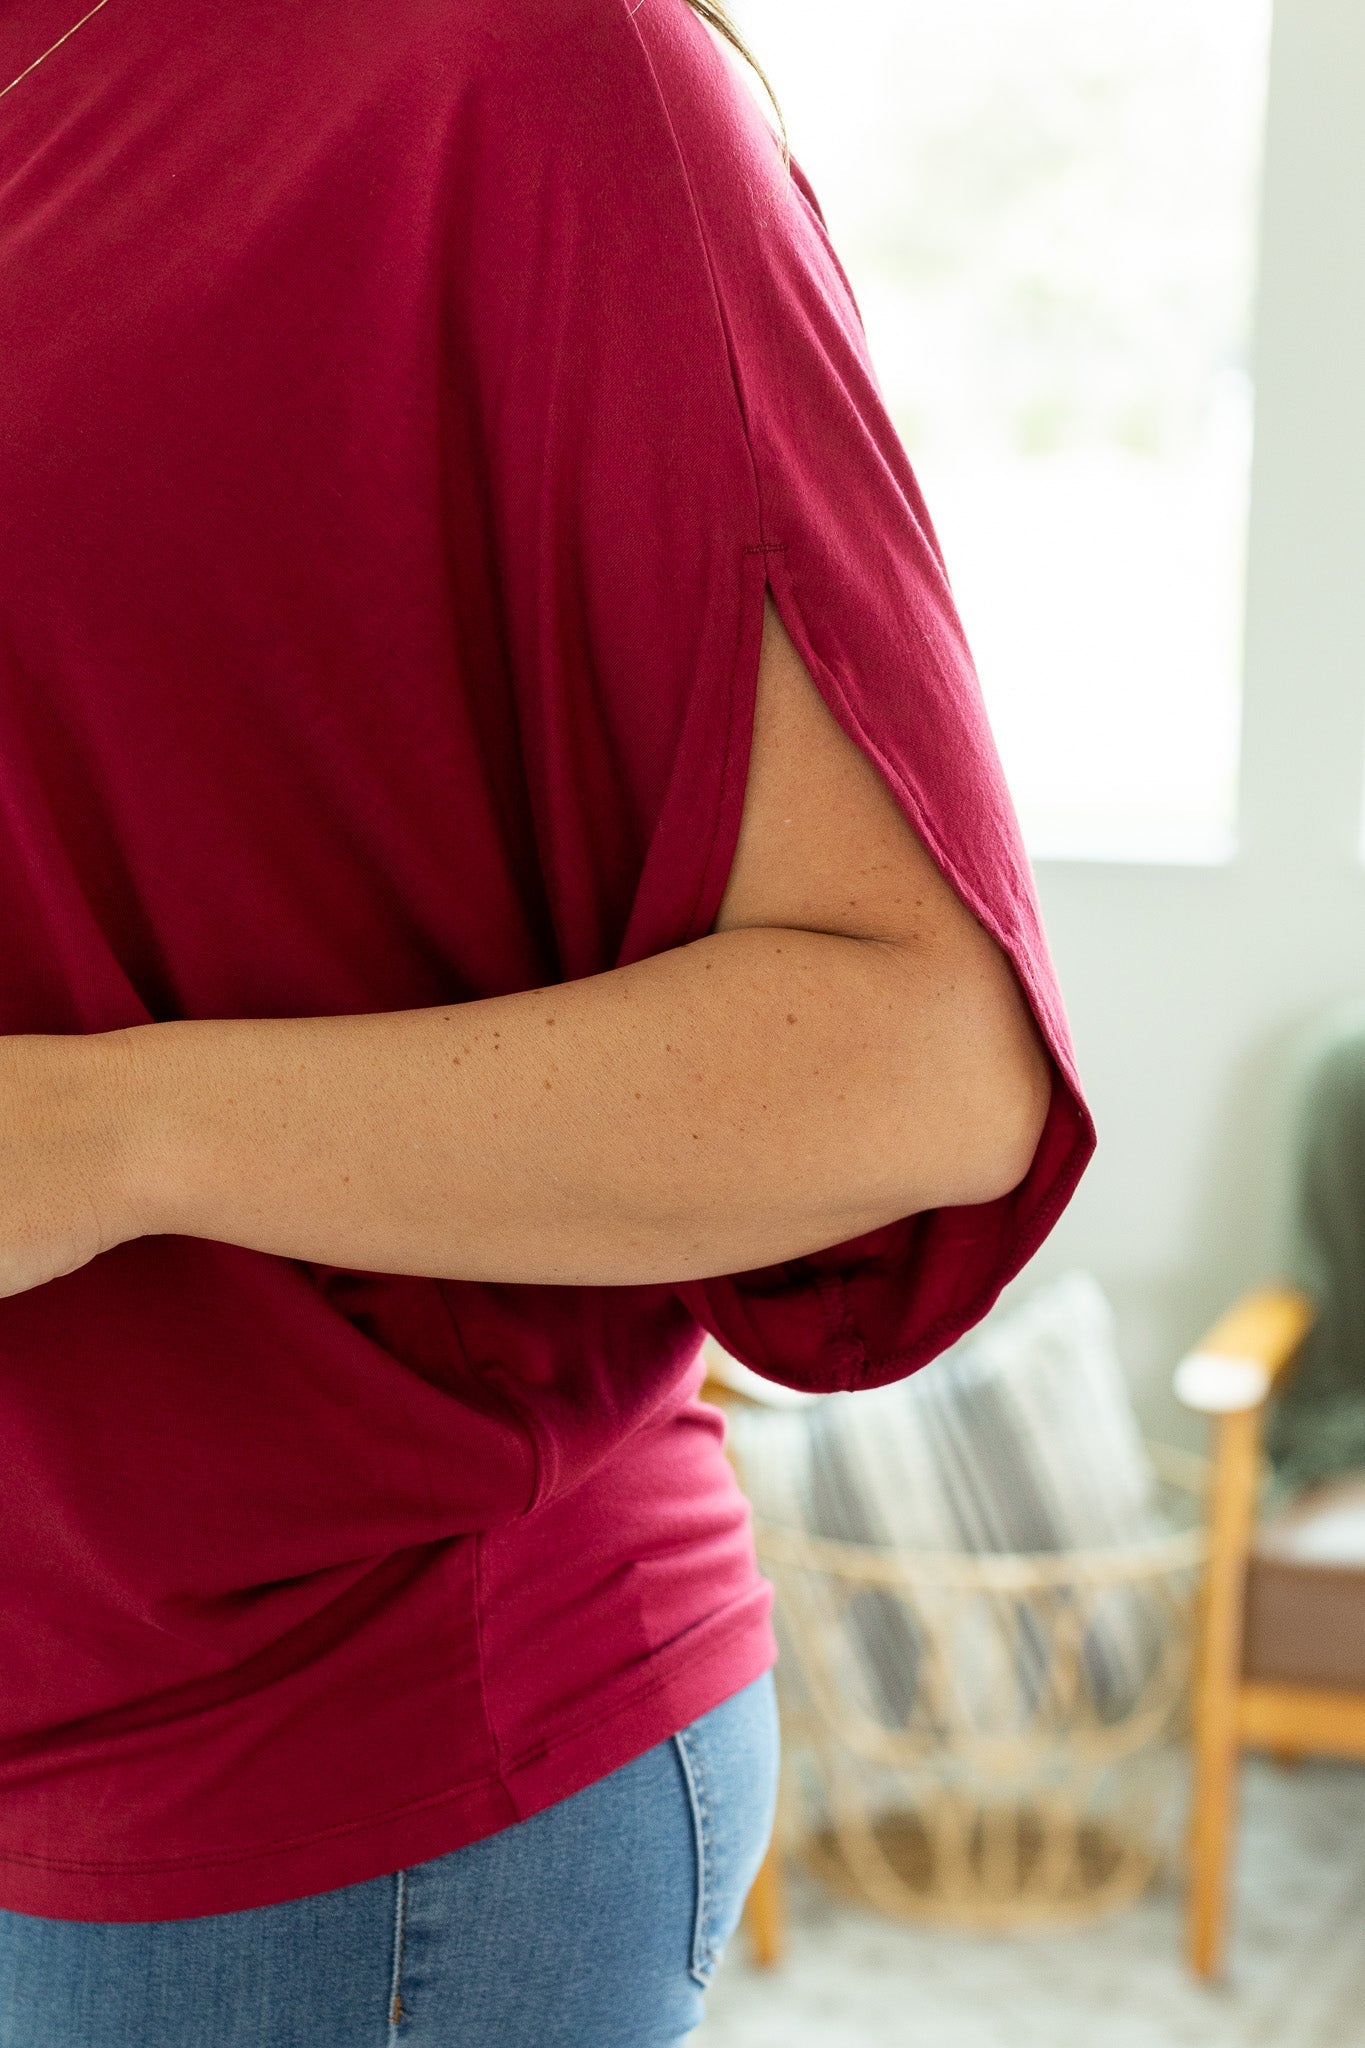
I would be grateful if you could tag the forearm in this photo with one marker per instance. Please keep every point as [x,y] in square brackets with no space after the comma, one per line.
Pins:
[758,1094]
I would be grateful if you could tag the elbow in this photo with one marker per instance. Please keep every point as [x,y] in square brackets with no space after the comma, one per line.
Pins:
[995,1078]
[975,1145]
[1010,1114]
[1008,1145]
[956,1087]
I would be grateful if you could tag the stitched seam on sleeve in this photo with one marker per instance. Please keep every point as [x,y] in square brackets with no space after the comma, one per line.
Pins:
[731,353]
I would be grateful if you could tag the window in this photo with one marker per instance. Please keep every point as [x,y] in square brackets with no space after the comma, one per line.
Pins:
[1047,212]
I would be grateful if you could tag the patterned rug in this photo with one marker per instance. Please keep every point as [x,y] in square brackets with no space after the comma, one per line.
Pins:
[1296,1975]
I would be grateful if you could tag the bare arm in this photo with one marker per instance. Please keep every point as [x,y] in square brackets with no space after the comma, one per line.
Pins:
[847,1046]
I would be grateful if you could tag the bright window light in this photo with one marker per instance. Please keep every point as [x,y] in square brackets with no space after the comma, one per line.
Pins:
[1047,212]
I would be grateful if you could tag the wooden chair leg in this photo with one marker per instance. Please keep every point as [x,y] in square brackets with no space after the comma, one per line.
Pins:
[1217,1737]
[764,1913]
[1216,1769]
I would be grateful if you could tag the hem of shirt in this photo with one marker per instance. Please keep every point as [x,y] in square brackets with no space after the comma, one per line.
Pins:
[685,1679]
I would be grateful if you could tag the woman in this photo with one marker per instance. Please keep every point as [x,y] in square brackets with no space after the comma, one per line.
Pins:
[504,869]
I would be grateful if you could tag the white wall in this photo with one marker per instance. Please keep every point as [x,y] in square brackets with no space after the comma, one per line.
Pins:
[1184,985]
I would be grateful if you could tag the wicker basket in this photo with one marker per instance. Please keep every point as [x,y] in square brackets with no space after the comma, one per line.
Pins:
[1024,1775]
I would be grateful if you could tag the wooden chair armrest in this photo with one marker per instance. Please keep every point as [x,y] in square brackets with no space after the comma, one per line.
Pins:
[728,1384]
[720,1395]
[1249,1349]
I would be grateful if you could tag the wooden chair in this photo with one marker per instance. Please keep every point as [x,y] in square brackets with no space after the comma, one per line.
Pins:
[1282,1632]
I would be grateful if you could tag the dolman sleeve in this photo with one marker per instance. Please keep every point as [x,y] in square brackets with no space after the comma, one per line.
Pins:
[660,374]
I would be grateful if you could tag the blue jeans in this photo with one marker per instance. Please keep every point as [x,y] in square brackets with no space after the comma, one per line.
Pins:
[595,1924]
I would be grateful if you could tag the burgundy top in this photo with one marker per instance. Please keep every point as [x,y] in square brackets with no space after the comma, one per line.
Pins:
[402,410]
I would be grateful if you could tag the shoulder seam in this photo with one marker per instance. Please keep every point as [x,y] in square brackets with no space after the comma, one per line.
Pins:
[731,352]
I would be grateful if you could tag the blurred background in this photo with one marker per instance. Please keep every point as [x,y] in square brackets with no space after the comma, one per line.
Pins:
[1110,261]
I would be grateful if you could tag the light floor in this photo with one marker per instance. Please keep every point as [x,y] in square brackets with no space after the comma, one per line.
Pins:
[1296,1977]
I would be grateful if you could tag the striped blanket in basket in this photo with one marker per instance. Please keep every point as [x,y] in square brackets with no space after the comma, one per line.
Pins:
[1021,1439]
